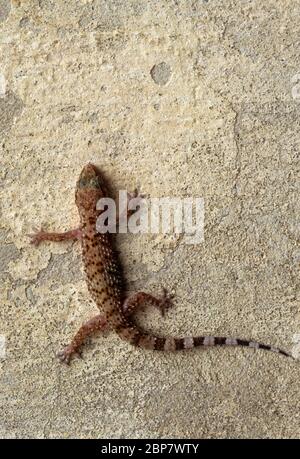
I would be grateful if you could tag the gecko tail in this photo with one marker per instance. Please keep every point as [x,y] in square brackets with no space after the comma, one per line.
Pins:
[170,344]
[175,344]
[227,341]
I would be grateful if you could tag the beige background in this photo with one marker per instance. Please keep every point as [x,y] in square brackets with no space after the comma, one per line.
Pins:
[219,118]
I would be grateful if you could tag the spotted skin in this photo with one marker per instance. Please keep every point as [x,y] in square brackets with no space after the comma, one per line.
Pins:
[106,283]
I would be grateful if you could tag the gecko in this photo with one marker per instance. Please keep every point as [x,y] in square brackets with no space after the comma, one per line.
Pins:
[106,284]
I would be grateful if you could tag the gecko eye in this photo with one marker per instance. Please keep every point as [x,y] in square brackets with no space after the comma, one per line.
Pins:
[95,182]
[82,183]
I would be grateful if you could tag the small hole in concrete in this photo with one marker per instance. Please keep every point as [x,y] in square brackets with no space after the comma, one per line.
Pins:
[161,73]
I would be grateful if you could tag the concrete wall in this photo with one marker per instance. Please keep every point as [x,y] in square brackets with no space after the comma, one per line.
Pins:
[180,98]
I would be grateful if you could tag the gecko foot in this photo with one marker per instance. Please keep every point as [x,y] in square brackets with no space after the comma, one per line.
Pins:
[139,299]
[37,237]
[165,302]
[135,194]
[138,197]
[67,353]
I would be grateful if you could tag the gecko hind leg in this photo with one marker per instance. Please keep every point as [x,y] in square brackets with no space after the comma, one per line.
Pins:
[88,328]
[40,235]
[139,299]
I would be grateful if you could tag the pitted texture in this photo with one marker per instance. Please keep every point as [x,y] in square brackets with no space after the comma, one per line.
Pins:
[225,127]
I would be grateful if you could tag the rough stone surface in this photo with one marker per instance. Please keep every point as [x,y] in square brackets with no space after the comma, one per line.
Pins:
[225,127]
[5,6]
[10,108]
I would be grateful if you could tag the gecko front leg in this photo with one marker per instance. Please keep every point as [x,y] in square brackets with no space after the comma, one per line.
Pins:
[88,328]
[41,235]
[140,299]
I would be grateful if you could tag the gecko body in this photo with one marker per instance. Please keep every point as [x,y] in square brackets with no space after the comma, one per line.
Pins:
[106,283]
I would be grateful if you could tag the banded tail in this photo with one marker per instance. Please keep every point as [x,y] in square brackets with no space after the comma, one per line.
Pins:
[170,344]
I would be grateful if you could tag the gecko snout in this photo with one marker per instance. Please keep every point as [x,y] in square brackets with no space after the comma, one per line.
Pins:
[89,177]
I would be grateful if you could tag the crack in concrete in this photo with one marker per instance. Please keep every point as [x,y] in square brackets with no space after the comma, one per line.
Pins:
[236,136]
[238,161]
[224,31]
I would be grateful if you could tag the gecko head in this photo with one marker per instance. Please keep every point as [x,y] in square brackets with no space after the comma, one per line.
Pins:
[89,178]
[89,187]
